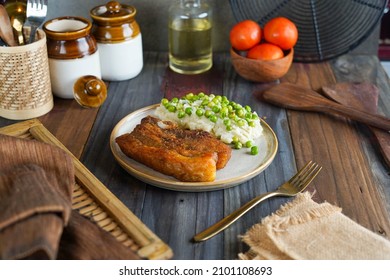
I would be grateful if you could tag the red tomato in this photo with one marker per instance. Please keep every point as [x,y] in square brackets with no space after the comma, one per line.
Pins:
[245,35]
[265,51]
[281,32]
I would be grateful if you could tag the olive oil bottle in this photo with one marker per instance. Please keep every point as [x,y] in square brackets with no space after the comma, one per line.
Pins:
[190,45]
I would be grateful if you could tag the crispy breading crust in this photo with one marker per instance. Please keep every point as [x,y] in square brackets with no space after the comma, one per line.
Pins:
[187,155]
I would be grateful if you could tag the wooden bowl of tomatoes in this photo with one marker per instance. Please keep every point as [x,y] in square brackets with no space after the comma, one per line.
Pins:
[263,54]
[259,70]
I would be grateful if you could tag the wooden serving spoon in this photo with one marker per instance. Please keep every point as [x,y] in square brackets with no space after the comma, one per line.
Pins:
[362,96]
[299,98]
[6,32]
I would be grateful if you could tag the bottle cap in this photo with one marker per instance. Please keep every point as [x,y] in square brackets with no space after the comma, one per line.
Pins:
[113,11]
[90,91]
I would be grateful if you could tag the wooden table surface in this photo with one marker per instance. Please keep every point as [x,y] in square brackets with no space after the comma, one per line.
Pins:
[354,175]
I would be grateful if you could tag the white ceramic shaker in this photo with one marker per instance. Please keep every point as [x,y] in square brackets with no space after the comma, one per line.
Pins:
[119,41]
[72,51]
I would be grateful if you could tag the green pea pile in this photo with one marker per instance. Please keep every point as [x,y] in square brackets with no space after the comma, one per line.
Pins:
[215,108]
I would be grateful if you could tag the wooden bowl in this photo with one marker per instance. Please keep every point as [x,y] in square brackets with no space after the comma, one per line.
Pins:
[257,70]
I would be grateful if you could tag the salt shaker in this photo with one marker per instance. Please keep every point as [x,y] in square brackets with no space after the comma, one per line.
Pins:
[73,53]
[119,40]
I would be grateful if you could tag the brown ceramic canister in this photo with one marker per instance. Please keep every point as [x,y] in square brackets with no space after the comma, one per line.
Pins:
[73,53]
[119,40]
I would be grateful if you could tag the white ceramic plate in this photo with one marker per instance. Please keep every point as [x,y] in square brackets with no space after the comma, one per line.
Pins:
[241,167]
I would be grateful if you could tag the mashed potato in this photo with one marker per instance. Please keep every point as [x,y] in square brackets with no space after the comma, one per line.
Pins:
[227,120]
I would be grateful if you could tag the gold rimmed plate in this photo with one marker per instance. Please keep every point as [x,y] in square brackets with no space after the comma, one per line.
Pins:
[241,167]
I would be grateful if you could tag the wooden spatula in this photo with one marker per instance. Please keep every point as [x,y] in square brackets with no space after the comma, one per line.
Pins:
[6,32]
[299,98]
[362,96]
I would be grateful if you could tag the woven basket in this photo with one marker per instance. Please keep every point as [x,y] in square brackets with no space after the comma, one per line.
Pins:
[25,89]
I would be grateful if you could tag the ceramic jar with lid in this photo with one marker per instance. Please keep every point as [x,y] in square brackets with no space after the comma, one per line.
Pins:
[73,53]
[119,40]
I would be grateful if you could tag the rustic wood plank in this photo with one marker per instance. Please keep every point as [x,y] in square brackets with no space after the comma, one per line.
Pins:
[195,210]
[368,68]
[70,123]
[346,179]
[123,98]
[244,92]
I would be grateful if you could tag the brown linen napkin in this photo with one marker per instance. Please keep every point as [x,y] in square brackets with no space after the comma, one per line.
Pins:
[305,230]
[84,240]
[36,220]
[36,182]
[57,164]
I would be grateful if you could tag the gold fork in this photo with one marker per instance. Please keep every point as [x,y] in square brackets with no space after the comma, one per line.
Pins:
[290,188]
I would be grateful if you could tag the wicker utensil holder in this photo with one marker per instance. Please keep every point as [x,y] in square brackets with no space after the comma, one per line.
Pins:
[25,88]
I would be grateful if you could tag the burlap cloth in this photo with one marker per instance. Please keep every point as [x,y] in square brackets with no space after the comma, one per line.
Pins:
[305,230]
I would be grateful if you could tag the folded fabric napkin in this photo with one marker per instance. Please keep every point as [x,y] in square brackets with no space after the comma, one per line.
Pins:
[36,217]
[82,239]
[305,230]
[36,182]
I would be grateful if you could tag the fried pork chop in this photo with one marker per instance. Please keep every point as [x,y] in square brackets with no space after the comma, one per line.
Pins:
[187,155]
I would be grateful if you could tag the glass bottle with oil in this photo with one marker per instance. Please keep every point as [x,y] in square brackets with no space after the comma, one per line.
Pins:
[190,45]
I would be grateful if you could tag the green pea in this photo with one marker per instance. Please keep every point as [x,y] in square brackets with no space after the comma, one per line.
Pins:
[189,96]
[227,122]
[199,112]
[181,114]
[216,109]
[240,123]
[208,113]
[237,106]
[213,118]
[254,150]
[240,112]
[217,98]
[188,111]
[205,102]
[248,144]
[237,145]
[224,112]
[171,108]
[211,104]
[195,97]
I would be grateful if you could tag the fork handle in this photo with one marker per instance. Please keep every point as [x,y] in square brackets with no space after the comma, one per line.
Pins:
[32,34]
[230,219]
